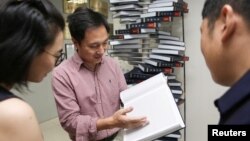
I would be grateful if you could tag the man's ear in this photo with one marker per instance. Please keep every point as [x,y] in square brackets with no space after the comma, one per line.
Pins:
[227,17]
[76,44]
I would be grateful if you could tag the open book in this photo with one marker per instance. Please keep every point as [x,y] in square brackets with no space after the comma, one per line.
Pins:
[152,98]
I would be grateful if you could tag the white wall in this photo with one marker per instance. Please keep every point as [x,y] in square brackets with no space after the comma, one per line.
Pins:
[201,91]
[40,97]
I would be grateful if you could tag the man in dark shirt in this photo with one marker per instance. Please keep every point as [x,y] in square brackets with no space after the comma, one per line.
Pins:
[225,44]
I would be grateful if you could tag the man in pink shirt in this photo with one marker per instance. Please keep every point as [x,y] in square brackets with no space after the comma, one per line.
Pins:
[87,85]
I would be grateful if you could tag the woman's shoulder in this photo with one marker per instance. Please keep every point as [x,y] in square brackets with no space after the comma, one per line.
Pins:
[15,107]
[18,117]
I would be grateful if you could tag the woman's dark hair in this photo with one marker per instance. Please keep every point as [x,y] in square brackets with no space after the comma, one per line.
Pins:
[26,28]
[212,9]
[83,19]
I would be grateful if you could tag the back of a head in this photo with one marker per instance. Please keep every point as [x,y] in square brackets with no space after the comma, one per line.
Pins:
[26,28]
[83,19]
[212,9]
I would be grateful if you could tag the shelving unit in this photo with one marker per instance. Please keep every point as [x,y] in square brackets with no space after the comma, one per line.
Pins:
[132,58]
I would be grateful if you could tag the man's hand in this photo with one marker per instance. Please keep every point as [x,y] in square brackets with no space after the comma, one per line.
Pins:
[121,120]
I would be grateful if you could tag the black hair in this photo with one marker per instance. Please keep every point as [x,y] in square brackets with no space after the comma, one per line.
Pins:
[26,28]
[83,19]
[212,9]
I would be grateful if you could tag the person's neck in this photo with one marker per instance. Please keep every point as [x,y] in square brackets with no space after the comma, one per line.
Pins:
[91,67]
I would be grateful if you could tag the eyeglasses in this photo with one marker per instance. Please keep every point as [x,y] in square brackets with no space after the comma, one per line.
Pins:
[59,58]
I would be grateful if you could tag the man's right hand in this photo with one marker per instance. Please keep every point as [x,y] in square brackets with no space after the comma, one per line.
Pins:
[121,120]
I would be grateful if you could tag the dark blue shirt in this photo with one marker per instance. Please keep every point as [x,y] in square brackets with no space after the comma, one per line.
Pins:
[5,94]
[234,105]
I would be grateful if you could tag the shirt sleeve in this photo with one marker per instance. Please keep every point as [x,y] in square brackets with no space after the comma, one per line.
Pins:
[80,127]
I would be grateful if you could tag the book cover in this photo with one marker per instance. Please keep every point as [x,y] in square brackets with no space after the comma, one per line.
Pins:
[166,8]
[173,47]
[143,25]
[176,134]
[133,81]
[136,73]
[164,37]
[129,46]
[123,7]
[170,76]
[169,58]
[162,1]
[160,63]
[166,139]
[121,1]
[155,19]
[163,4]
[129,36]
[174,82]
[163,115]
[152,69]
[176,89]
[127,13]
[176,96]
[178,43]
[129,19]
[120,42]
[116,51]
[163,13]
[124,54]
[135,31]
[168,51]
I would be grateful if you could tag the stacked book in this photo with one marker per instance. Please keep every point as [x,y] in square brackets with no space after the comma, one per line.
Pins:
[141,22]
[130,42]
[170,137]
[146,42]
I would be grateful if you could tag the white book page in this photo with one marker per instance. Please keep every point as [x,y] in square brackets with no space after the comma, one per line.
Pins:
[140,89]
[158,105]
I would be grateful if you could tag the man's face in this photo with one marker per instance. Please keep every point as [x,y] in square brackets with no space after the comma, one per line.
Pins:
[93,46]
[213,51]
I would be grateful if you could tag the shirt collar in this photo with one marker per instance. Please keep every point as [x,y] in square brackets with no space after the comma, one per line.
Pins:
[234,95]
[79,62]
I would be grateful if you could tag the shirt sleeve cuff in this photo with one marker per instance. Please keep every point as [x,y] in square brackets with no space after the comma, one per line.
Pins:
[86,130]
[92,127]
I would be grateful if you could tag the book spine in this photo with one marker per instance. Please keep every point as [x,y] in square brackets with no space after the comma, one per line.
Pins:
[129,31]
[156,19]
[114,37]
[143,25]
[135,31]
[139,76]
[170,64]
[178,58]
[178,4]
[154,70]
[169,13]
[133,81]
[122,31]
[168,70]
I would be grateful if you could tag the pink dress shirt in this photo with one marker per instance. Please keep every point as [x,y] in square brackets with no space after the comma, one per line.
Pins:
[83,96]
